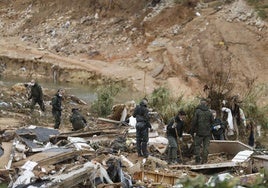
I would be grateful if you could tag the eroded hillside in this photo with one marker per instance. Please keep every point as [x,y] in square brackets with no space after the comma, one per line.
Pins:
[181,46]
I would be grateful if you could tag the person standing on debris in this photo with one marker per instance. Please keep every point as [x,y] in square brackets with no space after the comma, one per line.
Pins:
[237,113]
[36,94]
[77,119]
[201,131]
[218,127]
[56,108]
[251,129]
[141,113]
[174,135]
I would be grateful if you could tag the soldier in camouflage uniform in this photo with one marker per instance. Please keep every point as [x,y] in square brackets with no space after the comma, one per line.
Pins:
[141,113]
[56,108]
[201,130]
[78,121]
[174,134]
[36,95]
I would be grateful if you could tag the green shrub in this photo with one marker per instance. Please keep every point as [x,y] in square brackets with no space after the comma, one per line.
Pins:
[105,99]
[252,109]
[168,106]
[261,13]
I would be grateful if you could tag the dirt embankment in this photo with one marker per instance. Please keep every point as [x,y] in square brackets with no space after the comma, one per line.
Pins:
[178,46]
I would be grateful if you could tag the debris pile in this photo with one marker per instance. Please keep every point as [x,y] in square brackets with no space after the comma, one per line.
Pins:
[104,154]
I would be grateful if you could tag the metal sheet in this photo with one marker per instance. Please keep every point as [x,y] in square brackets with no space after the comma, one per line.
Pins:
[227,146]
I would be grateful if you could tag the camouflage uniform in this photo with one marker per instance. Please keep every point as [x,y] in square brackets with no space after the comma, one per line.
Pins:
[173,139]
[78,121]
[141,113]
[37,97]
[201,125]
[56,109]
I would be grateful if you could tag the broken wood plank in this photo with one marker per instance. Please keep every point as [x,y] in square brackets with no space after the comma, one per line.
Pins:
[110,185]
[49,157]
[77,176]
[207,166]
[157,177]
[71,179]
[77,100]
[109,120]
[55,138]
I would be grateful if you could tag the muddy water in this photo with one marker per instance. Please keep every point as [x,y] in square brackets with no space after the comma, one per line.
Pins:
[84,92]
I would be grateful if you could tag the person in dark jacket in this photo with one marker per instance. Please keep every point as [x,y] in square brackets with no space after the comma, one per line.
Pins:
[141,113]
[36,95]
[201,131]
[77,119]
[218,127]
[174,134]
[251,129]
[57,108]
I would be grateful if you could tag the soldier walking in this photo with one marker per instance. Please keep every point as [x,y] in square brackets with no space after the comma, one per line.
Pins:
[57,108]
[36,95]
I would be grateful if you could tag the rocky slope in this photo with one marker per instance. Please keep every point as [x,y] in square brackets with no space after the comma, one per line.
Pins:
[180,46]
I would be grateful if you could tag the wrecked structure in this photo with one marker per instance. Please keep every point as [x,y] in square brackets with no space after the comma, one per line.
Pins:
[104,155]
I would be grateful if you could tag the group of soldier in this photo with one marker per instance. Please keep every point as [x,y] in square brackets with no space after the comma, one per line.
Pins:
[36,96]
[205,125]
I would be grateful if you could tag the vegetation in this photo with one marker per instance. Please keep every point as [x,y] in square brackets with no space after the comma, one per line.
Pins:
[200,181]
[105,99]
[261,7]
[255,111]
[162,102]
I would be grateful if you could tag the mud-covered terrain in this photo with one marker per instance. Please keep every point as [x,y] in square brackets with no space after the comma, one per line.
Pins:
[143,47]
[176,45]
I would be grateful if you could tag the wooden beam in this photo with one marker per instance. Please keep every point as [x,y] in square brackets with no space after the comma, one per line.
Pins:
[49,158]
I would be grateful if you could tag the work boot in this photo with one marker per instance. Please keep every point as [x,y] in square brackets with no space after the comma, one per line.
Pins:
[204,160]
[197,160]
[170,159]
[179,161]
[144,149]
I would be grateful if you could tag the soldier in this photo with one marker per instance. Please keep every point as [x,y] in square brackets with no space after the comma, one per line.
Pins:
[36,95]
[201,131]
[78,121]
[218,127]
[141,113]
[174,133]
[56,108]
